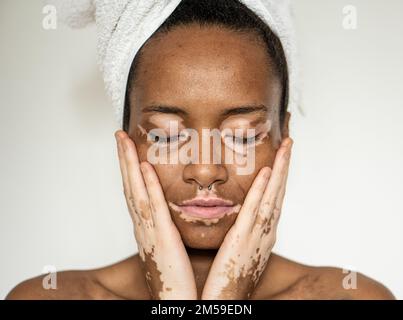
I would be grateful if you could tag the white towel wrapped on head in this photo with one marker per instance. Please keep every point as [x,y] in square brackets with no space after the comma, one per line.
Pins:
[123,26]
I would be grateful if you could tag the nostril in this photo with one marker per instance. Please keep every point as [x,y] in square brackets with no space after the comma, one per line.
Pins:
[204,177]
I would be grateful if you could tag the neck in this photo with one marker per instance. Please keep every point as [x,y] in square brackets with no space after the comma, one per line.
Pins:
[201,260]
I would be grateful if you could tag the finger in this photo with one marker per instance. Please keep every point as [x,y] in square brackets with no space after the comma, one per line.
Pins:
[268,216]
[279,202]
[248,212]
[123,168]
[280,199]
[271,194]
[125,178]
[158,204]
[138,197]
[268,221]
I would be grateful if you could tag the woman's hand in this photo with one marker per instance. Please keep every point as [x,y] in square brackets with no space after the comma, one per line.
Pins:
[166,264]
[246,248]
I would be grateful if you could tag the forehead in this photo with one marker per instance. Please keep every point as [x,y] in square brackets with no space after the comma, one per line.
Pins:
[199,67]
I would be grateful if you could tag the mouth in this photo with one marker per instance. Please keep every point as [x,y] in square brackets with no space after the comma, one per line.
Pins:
[207,208]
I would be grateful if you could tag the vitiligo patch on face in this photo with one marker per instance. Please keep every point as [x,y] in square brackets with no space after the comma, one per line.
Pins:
[205,221]
[161,120]
[174,148]
[141,131]
[262,129]
[265,129]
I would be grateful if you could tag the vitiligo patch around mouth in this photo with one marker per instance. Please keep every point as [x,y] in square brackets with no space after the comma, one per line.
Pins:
[206,221]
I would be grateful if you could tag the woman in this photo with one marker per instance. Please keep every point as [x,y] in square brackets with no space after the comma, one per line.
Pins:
[203,230]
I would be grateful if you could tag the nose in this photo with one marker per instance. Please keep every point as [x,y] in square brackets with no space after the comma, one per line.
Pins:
[205,174]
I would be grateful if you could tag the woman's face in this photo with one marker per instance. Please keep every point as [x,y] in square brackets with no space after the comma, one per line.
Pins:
[211,78]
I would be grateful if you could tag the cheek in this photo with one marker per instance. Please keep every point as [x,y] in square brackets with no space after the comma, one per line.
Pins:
[142,149]
[168,175]
[265,155]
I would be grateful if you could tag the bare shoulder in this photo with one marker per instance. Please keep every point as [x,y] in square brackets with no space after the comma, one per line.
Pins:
[319,283]
[69,285]
[93,284]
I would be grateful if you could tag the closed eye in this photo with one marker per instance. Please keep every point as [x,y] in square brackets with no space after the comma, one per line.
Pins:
[163,139]
[241,140]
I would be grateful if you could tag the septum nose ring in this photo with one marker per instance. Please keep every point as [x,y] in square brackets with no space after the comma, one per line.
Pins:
[209,187]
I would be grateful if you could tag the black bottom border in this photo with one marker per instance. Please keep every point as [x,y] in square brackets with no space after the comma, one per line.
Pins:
[223,309]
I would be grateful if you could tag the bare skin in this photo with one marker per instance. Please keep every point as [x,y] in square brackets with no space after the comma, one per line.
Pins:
[230,257]
[282,280]
[241,257]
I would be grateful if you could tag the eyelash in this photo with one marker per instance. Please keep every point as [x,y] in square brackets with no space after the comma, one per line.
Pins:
[248,141]
[167,140]
[157,138]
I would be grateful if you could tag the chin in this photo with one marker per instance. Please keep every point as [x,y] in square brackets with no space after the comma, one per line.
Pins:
[202,236]
[198,235]
[202,245]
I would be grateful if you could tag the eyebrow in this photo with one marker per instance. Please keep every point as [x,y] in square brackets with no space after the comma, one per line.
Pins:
[245,110]
[165,109]
[227,112]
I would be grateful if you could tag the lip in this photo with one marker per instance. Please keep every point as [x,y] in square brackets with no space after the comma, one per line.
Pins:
[207,208]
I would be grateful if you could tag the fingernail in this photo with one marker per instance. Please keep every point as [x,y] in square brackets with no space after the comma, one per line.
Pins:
[288,143]
[291,143]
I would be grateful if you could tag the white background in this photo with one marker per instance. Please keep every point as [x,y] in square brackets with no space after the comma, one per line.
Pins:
[61,200]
